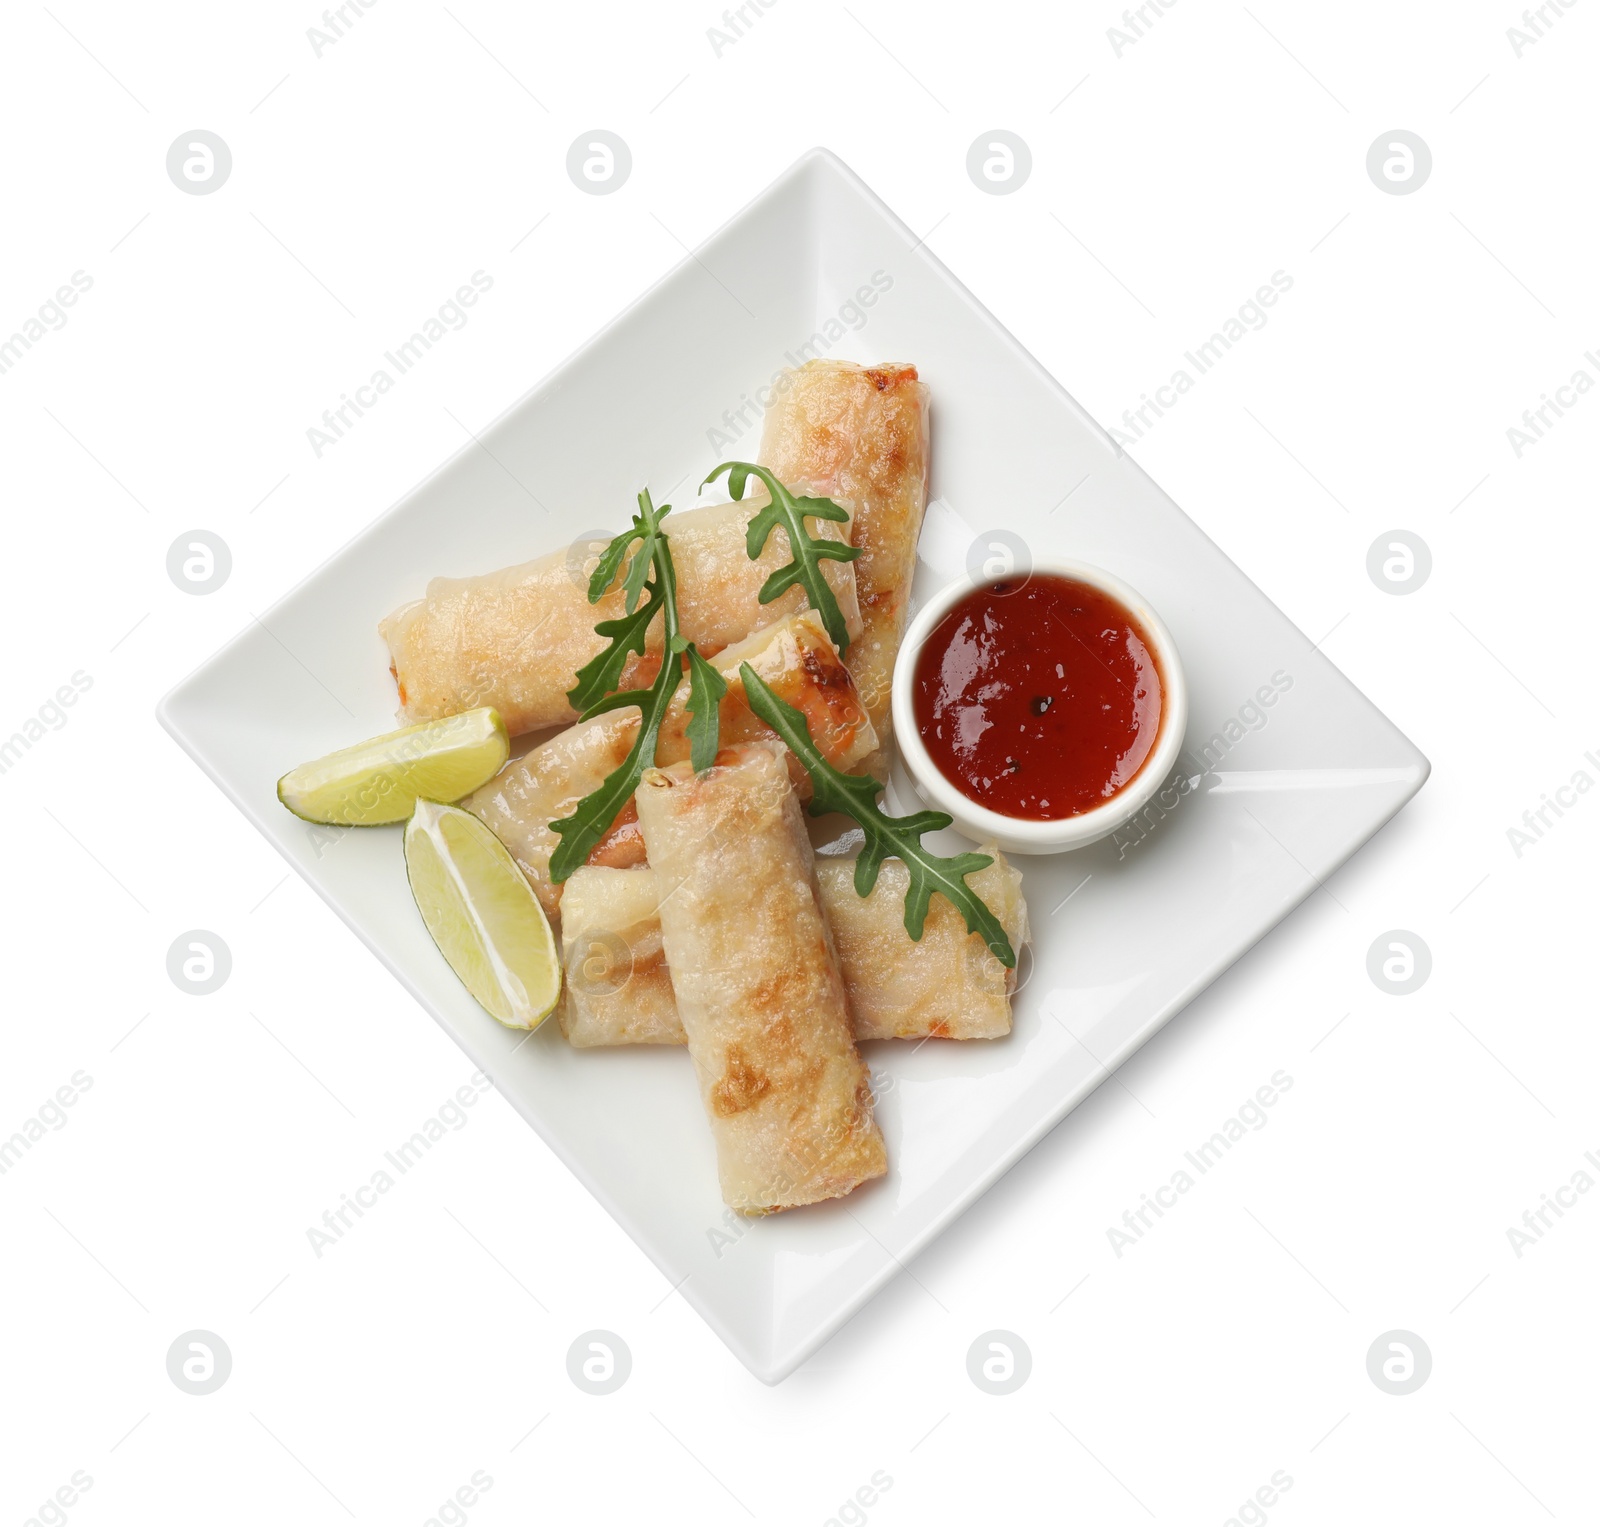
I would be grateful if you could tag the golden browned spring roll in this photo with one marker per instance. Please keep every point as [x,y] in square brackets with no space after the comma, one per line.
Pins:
[757,983]
[795,658]
[947,985]
[859,434]
[515,639]
[617,989]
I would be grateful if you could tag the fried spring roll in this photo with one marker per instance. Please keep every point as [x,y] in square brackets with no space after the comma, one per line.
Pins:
[947,985]
[757,982]
[860,435]
[617,988]
[515,639]
[795,658]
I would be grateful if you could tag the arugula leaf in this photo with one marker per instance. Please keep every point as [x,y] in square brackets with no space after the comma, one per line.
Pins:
[603,672]
[644,557]
[706,689]
[810,552]
[650,573]
[646,530]
[592,817]
[857,796]
[621,700]
[605,571]
[625,635]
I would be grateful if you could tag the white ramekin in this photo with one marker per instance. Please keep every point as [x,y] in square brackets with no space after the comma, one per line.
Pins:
[1018,835]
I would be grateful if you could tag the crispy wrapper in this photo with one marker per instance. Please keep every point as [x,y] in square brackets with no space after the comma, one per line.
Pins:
[947,985]
[617,988]
[515,639]
[795,658]
[757,982]
[859,435]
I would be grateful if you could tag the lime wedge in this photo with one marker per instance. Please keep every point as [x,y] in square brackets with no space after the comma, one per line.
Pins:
[482,914]
[380,780]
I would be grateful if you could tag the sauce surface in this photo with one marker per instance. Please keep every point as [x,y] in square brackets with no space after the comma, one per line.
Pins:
[1039,700]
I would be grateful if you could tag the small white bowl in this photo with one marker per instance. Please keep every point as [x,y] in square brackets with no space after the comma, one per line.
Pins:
[1018,835]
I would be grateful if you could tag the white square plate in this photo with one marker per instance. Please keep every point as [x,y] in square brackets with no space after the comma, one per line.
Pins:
[1277,805]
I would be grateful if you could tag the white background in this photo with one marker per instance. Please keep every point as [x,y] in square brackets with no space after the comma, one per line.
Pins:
[1168,183]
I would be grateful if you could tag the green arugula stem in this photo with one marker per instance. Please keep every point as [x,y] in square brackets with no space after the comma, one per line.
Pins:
[595,691]
[810,552]
[900,837]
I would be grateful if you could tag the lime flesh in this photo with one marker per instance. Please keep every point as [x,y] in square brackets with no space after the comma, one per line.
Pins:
[380,780]
[482,914]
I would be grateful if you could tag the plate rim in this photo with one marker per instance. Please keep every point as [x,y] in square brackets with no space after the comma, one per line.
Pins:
[777,1362]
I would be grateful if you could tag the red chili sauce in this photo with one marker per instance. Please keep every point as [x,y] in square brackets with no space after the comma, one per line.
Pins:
[1039,699]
